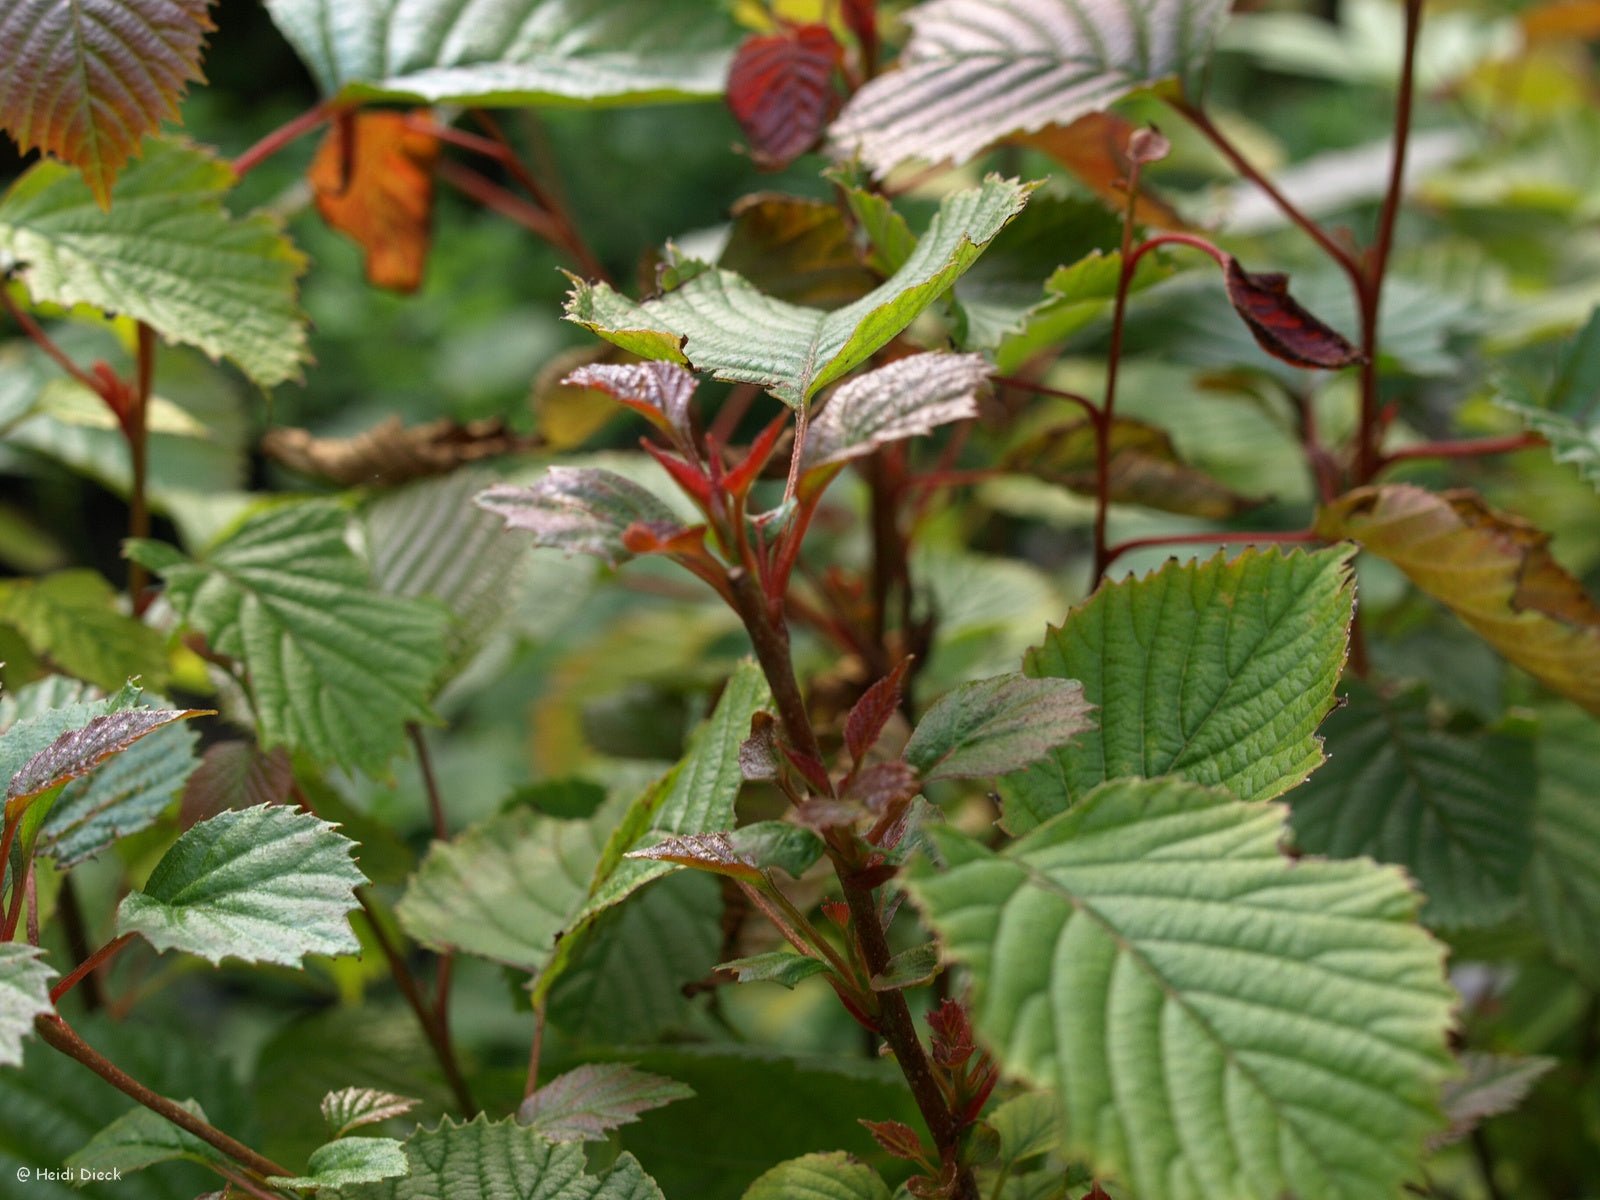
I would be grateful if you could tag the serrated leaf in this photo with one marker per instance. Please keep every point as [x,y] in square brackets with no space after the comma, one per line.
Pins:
[1563,881]
[502,1160]
[1453,809]
[659,391]
[263,884]
[335,668]
[81,748]
[1217,1020]
[907,398]
[121,797]
[580,510]
[24,994]
[976,71]
[1569,414]
[372,180]
[588,1102]
[717,322]
[993,726]
[85,81]
[1491,569]
[1493,1084]
[166,253]
[1218,672]
[775,966]
[538,52]
[352,1107]
[72,617]
[909,968]
[141,1138]
[780,90]
[349,1161]
[835,1176]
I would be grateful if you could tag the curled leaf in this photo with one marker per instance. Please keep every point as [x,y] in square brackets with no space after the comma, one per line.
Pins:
[392,453]
[907,398]
[372,180]
[1281,326]
[1493,570]
[660,391]
[580,510]
[780,90]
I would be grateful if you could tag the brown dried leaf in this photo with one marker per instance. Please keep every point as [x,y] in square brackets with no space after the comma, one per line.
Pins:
[390,453]
[86,81]
[373,180]
[1492,569]
[1281,326]
[1095,149]
[797,250]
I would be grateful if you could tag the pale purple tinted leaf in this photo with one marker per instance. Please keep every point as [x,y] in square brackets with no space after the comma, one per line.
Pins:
[77,751]
[712,852]
[351,1108]
[994,726]
[1493,1084]
[660,390]
[909,397]
[236,775]
[586,1103]
[579,510]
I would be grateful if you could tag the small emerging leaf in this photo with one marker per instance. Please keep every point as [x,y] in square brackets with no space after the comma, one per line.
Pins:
[588,1102]
[780,89]
[351,1108]
[908,398]
[580,511]
[994,726]
[775,966]
[349,1161]
[909,968]
[24,995]
[898,1139]
[1281,326]
[871,713]
[262,884]
[1493,1084]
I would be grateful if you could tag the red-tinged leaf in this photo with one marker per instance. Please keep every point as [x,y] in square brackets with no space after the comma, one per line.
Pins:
[669,537]
[898,1139]
[1098,148]
[351,1108]
[589,1101]
[659,391]
[713,852]
[235,775]
[780,89]
[1096,1193]
[838,912]
[372,180]
[578,510]
[758,753]
[884,785]
[952,1034]
[907,398]
[1281,326]
[86,81]
[690,478]
[77,751]
[740,479]
[812,771]
[871,713]
[996,726]
[825,814]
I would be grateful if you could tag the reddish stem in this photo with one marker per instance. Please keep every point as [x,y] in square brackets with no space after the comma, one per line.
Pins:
[508,204]
[280,137]
[136,429]
[1083,402]
[36,334]
[1465,448]
[1218,537]
[89,965]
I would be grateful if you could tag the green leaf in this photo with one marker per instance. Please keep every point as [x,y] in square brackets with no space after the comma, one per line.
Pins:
[1027,1125]
[586,1103]
[1563,883]
[72,618]
[1216,1018]
[265,884]
[717,322]
[336,669]
[166,253]
[777,845]
[1569,416]
[1218,672]
[908,398]
[1493,1084]
[992,726]
[503,1161]
[534,52]
[429,540]
[1453,809]
[834,1176]
[120,797]
[775,966]
[909,968]
[351,1108]
[86,80]
[580,510]
[139,1139]
[976,71]
[24,994]
[348,1161]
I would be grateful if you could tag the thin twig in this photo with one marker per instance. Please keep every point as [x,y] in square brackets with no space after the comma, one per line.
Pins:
[536,1049]
[1465,448]
[280,137]
[89,965]
[136,429]
[35,333]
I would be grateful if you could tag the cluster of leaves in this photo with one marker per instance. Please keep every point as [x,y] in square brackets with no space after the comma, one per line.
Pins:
[1215,887]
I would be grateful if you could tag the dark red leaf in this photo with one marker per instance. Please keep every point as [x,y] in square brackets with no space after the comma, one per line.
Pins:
[812,771]
[861,17]
[687,476]
[872,712]
[749,469]
[899,1140]
[838,912]
[1283,328]
[952,1034]
[884,785]
[780,89]
[235,774]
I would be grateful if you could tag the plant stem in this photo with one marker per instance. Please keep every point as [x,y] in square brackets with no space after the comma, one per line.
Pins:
[57,1033]
[1369,284]
[136,429]
[1012,381]
[536,1049]
[89,965]
[1219,537]
[77,933]
[280,137]
[1465,448]
[36,334]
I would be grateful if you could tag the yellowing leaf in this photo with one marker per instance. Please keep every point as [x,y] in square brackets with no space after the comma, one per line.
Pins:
[1491,569]
[85,81]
